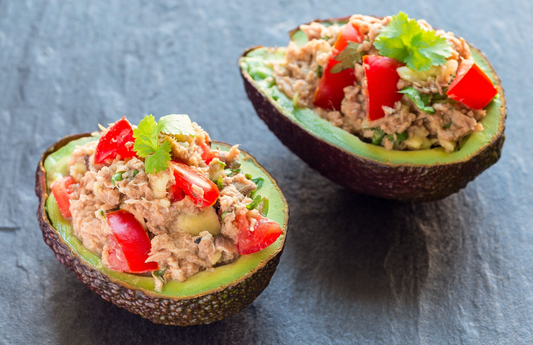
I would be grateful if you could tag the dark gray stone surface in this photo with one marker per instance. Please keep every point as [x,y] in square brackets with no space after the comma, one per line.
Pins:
[355,269]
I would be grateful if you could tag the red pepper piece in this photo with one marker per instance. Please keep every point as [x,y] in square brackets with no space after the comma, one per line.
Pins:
[61,190]
[129,244]
[381,84]
[118,140]
[265,233]
[330,91]
[472,86]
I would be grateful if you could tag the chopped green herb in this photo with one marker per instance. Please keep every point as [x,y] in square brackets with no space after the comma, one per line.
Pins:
[221,164]
[102,213]
[405,40]
[233,172]
[438,98]
[160,274]
[258,181]
[117,177]
[254,203]
[248,176]
[264,210]
[135,172]
[377,137]
[421,103]
[401,137]
[325,38]
[220,183]
[319,71]
[448,125]
[347,58]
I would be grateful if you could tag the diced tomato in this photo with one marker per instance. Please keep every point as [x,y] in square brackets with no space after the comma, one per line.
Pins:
[118,140]
[61,189]
[186,177]
[381,84]
[472,86]
[265,233]
[207,154]
[330,91]
[129,244]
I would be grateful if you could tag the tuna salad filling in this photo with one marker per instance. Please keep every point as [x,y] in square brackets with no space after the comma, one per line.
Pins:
[391,81]
[157,199]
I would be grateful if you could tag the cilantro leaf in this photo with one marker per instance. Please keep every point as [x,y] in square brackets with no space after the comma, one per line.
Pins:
[176,125]
[417,99]
[347,58]
[377,137]
[405,40]
[158,161]
[146,137]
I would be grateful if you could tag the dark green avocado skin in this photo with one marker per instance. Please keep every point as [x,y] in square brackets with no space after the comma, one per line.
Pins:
[197,310]
[365,176]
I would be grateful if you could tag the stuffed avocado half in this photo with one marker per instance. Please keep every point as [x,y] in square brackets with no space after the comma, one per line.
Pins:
[211,254]
[359,130]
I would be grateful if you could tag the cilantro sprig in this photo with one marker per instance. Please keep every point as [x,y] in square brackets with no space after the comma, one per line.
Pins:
[405,40]
[147,145]
[421,102]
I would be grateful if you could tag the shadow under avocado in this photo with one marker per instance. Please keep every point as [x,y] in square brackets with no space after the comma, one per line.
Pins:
[358,248]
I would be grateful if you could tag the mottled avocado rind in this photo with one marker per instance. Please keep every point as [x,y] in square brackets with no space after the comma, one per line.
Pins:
[180,304]
[364,168]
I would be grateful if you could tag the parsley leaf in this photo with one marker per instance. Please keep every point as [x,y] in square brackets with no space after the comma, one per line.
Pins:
[347,58]
[421,103]
[405,40]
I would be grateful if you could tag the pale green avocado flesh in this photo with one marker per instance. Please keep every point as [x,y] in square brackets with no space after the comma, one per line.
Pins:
[201,283]
[258,64]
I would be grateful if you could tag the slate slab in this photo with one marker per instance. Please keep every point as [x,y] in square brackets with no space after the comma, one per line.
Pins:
[355,269]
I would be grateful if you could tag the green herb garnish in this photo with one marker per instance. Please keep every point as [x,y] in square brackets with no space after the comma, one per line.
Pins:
[135,172]
[102,213]
[258,181]
[347,58]
[255,202]
[224,214]
[377,137]
[117,177]
[220,183]
[319,71]
[248,176]
[147,144]
[160,274]
[405,40]
[421,103]
[399,138]
[448,125]
[325,38]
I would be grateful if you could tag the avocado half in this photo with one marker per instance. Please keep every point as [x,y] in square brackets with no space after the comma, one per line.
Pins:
[423,175]
[203,298]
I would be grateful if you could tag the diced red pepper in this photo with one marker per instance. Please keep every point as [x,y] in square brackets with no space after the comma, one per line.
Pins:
[118,140]
[175,193]
[61,190]
[186,177]
[265,233]
[330,91]
[207,154]
[381,84]
[472,86]
[129,244]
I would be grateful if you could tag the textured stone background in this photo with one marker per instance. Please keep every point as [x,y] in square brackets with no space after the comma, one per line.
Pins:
[355,269]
